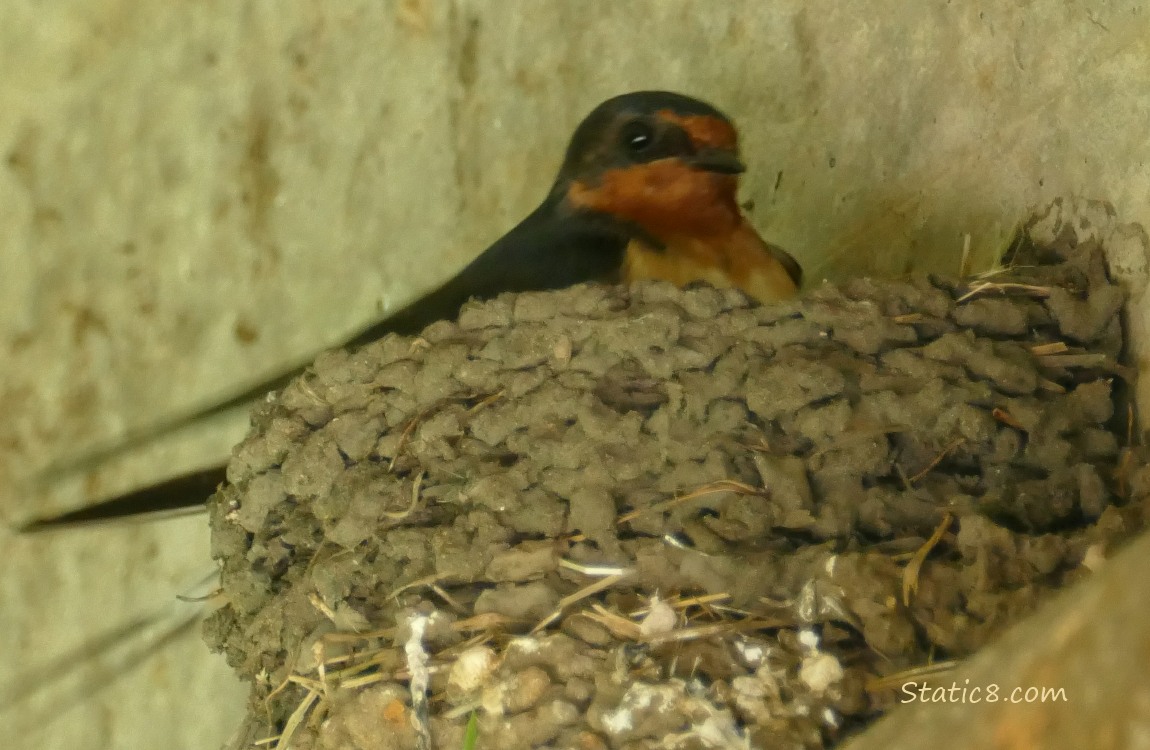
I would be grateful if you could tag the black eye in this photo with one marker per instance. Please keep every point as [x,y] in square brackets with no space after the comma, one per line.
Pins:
[637,136]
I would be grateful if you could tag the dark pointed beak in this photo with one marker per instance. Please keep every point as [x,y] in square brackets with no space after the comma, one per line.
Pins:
[716,160]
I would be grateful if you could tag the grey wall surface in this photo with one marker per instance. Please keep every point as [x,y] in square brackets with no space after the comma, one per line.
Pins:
[191,194]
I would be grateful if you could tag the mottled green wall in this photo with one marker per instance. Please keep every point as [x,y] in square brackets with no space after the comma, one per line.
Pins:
[191,193]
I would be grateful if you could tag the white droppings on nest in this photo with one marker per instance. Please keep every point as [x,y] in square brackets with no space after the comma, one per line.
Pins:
[472,668]
[717,730]
[494,698]
[526,644]
[417,665]
[660,619]
[618,721]
[831,717]
[819,671]
[753,654]
[639,697]
[1094,558]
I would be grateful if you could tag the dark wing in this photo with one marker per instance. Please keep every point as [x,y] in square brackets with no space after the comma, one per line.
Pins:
[170,497]
[545,251]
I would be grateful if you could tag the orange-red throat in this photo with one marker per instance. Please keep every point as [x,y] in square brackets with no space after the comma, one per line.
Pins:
[666,197]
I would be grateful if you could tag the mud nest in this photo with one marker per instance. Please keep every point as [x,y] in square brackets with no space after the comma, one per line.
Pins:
[650,517]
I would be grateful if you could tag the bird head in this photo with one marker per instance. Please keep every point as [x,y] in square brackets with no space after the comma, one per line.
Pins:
[661,161]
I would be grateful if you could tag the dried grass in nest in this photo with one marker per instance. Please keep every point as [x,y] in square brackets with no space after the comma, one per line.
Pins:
[661,621]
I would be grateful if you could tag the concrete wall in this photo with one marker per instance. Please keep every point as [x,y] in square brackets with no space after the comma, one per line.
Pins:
[193,193]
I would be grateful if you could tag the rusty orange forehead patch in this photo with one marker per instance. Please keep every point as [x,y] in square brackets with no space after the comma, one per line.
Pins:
[705,131]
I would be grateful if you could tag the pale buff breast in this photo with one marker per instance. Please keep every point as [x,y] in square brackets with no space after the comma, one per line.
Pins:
[741,259]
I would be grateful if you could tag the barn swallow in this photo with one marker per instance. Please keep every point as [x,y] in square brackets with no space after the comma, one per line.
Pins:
[647,190]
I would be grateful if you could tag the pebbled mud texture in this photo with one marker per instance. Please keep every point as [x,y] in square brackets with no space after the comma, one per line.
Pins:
[651,517]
